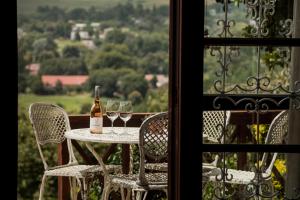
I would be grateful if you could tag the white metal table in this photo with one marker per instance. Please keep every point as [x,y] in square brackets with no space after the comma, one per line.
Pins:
[119,135]
[116,135]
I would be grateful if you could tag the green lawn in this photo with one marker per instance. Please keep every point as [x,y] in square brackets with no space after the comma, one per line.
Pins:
[72,104]
[30,6]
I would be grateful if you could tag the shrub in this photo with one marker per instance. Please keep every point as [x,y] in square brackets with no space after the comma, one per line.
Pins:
[85,108]
[136,97]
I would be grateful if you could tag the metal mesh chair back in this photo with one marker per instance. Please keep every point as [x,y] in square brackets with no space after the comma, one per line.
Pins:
[276,134]
[278,129]
[49,122]
[154,136]
[153,141]
[213,123]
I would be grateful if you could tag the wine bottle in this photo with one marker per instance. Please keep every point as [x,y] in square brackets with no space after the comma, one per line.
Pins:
[96,115]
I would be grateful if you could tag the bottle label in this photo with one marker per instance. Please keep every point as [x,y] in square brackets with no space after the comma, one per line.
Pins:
[96,124]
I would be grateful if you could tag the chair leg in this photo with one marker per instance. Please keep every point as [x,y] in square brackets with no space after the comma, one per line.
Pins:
[122,192]
[133,194]
[128,194]
[42,187]
[166,191]
[106,191]
[139,195]
[81,189]
[73,188]
[84,189]
[145,195]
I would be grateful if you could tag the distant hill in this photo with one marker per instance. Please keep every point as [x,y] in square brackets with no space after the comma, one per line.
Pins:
[30,6]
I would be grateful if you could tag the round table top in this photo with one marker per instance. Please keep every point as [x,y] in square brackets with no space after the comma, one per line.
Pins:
[121,135]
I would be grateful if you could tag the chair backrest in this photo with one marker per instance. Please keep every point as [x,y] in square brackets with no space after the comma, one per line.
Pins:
[213,123]
[276,134]
[153,142]
[50,122]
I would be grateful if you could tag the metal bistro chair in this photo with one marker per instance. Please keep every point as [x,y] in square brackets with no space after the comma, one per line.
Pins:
[212,125]
[49,123]
[212,129]
[276,135]
[153,142]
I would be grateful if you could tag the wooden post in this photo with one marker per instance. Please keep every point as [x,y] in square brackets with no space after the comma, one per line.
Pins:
[125,158]
[293,160]
[63,182]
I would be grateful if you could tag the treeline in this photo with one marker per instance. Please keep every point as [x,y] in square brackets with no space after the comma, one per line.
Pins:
[123,14]
[118,62]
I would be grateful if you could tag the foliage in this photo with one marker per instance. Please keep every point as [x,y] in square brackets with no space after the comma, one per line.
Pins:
[261,133]
[157,100]
[130,82]
[280,164]
[156,63]
[85,108]
[116,36]
[71,51]
[63,66]
[136,97]
[111,59]
[106,78]
[59,87]
[42,45]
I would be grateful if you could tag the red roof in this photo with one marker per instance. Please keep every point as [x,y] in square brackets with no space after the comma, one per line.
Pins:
[66,80]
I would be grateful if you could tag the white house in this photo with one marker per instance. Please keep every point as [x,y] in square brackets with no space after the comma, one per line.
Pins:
[84,35]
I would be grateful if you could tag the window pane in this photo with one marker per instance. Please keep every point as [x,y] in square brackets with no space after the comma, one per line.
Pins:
[245,175]
[248,18]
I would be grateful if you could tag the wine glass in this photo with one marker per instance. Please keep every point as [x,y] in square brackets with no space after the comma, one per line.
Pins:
[112,111]
[125,112]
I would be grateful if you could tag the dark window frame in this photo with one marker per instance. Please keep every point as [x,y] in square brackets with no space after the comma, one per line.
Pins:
[186,49]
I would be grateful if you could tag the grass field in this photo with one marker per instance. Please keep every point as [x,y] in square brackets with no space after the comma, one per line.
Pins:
[72,104]
[30,6]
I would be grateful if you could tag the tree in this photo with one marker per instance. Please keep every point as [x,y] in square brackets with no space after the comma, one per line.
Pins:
[106,78]
[78,14]
[156,63]
[130,82]
[43,44]
[157,100]
[135,97]
[112,59]
[63,66]
[153,82]
[36,85]
[59,87]
[71,51]
[77,36]
[115,36]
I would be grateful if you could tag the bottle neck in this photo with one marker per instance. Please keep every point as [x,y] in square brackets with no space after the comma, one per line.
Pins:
[97,93]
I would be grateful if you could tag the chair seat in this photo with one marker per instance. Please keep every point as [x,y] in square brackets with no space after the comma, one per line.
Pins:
[80,170]
[155,180]
[162,167]
[238,176]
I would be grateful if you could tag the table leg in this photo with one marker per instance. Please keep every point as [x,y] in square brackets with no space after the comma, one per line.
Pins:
[106,189]
[99,159]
